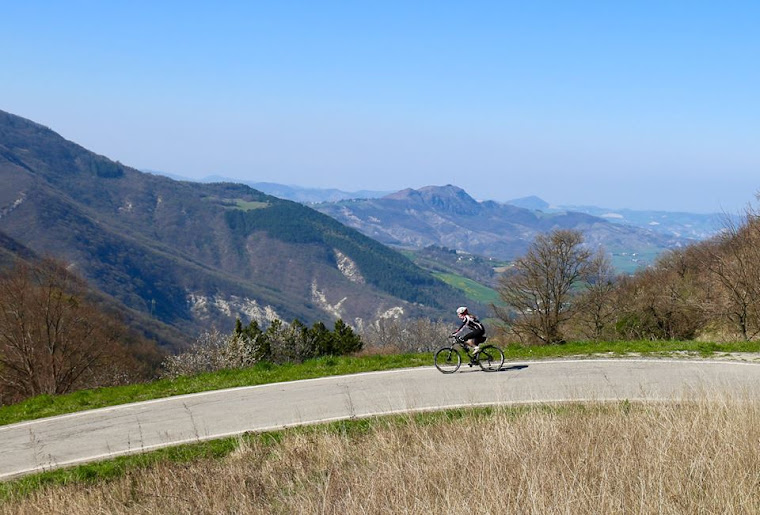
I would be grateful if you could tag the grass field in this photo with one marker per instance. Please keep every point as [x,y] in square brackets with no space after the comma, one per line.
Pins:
[474,290]
[246,205]
[629,263]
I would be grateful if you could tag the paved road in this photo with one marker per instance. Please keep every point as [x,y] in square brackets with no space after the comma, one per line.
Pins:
[88,436]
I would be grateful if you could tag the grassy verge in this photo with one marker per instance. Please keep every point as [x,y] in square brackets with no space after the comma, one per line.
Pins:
[263,373]
[643,347]
[117,467]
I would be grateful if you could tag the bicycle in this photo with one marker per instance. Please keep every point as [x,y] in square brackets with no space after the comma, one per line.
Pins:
[448,359]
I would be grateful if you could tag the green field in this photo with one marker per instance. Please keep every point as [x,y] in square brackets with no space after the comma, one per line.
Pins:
[247,205]
[474,290]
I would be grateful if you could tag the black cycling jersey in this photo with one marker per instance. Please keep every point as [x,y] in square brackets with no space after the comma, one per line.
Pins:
[471,329]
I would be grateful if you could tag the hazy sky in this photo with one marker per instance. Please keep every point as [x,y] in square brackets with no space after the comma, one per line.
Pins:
[649,105]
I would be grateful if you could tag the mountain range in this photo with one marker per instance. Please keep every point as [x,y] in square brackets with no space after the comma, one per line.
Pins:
[630,248]
[447,216]
[176,257]
[678,224]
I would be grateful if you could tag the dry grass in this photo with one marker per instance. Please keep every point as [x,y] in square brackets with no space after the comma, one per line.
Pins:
[700,457]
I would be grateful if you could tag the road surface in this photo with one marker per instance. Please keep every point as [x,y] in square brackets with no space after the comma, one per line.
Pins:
[45,444]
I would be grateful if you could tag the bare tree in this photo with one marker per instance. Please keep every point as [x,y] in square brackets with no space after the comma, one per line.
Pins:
[51,339]
[734,262]
[667,300]
[537,290]
[596,305]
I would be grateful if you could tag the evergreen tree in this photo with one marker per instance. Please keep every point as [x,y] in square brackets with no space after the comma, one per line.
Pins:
[322,339]
[345,341]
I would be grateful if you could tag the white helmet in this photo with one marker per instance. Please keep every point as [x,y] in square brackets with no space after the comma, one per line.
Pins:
[461,310]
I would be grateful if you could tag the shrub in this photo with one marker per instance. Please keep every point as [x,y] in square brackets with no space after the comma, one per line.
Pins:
[213,351]
[248,345]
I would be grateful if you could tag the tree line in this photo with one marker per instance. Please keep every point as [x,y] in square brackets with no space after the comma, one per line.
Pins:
[562,290]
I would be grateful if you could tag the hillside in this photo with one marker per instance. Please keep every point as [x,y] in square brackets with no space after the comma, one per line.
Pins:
[189,256]
[447,216]
[441,260]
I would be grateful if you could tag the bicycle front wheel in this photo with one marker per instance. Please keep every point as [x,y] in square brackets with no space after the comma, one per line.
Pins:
[490,358]
[447,360]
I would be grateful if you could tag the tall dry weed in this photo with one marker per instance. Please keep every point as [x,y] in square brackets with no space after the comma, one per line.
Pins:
[701,457]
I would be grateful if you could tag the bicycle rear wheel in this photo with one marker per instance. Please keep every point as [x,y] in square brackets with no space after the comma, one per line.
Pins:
[447,360]
[490,358]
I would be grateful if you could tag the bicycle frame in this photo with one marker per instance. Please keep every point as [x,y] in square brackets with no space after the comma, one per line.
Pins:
[456,340]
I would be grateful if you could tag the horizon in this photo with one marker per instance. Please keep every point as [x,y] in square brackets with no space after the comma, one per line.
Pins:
[552,205]
[644,107]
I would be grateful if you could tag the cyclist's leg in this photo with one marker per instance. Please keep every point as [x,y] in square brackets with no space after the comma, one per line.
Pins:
[473,339]
[469,338]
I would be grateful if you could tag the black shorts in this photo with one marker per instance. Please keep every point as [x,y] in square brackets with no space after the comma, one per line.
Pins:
[472,334]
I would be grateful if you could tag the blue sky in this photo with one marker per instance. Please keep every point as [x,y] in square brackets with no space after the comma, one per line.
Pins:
[647,105]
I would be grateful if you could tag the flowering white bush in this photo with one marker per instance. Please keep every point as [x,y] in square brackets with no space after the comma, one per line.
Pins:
[420,335]
[212,351]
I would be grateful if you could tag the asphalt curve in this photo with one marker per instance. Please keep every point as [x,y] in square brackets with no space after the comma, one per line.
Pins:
[64,440]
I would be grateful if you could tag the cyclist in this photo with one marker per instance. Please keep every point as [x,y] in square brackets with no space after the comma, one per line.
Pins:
[472,330]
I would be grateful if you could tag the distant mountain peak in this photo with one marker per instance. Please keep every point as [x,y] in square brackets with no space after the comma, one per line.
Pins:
[447,190]
[448,198]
